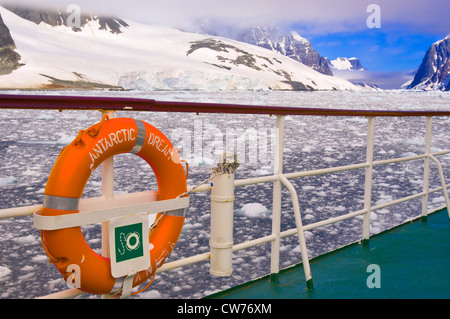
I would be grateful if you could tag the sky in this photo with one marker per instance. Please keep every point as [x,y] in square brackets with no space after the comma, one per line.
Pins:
[388,36]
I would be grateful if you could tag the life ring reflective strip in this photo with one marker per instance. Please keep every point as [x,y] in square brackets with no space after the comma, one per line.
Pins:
[67,181]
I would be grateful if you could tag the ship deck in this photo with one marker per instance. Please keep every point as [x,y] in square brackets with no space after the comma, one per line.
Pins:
[413,260]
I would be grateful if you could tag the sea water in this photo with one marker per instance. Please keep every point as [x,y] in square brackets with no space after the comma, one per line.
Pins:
[30,142]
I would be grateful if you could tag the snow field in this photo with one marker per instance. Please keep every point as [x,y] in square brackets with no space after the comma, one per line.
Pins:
[147,57]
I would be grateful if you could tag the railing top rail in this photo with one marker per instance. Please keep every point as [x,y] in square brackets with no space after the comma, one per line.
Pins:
[57,102]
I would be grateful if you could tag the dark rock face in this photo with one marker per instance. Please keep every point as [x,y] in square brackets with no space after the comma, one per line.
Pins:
[272,38]
[9,58]
[356,64]
[113,24]
[56,18]
[433,73]
[37,16]
[291,45]
[303,52]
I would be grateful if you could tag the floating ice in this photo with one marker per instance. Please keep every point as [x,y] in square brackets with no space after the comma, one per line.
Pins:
[26,240]
[319,196]
[46,117]
[40,259]
[253,210]
[202,161]
[151,294]
[264,170]
[9,180]
[4,271]
[64,139]
[408,154]
[373,216]
[27,268]
[30,172]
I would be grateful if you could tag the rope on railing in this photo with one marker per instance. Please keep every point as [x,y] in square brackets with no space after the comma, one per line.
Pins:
[227,164]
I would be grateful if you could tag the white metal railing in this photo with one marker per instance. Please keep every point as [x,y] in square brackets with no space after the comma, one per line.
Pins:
[222,197]
[280,179]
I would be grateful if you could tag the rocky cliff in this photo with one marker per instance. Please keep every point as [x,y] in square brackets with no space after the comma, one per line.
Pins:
[433,73]
[9,58]
[290,44]
[58,18]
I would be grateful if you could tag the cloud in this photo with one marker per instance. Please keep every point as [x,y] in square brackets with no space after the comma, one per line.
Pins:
[384,80]
[318,16]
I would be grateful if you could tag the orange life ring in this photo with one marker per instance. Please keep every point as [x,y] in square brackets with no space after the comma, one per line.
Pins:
[66,184]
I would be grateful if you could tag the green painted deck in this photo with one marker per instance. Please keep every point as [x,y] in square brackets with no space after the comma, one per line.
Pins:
[413,260]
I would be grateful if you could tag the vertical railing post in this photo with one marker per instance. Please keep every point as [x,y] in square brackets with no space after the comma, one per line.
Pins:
[276,200]
[107,192]
[368,180]
[426,169]
[221,237]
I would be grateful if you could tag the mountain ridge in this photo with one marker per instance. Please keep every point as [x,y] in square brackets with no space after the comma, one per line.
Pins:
[143,57]
[342,63]
[59,18]
[290,44]
[434,71]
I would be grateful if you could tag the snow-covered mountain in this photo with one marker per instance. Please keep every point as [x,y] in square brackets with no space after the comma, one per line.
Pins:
[346,64]
[434,72]
[117,54]
[352,70]
[59,18]
[290,44]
